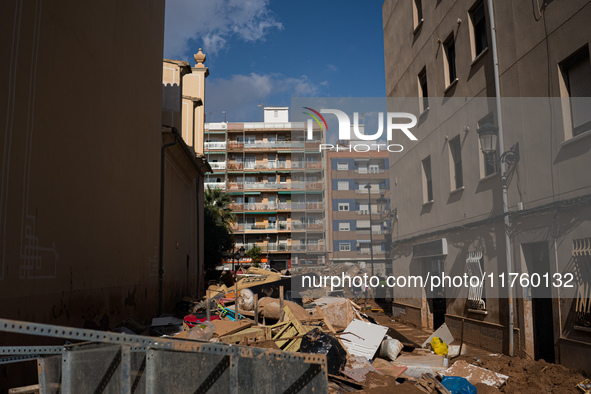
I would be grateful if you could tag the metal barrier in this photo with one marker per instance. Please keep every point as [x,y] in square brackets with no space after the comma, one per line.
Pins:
[121,363]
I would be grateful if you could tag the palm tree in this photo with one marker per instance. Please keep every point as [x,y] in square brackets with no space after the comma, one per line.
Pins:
[217,201]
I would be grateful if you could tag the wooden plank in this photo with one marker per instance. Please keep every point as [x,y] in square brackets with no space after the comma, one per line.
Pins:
[228,327]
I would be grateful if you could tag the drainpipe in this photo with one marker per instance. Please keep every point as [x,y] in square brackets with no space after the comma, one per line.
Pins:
[507,227]
[161,241]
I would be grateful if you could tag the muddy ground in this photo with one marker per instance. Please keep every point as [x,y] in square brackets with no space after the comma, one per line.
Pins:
[526,376]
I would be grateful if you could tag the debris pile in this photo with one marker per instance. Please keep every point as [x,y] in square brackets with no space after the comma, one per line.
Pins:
[365,349]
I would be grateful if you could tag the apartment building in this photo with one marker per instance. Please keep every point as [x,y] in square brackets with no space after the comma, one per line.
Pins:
[354,235]
[449,195]
[276,179]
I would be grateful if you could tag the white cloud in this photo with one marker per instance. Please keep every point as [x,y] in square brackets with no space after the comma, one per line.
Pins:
[212,23]
[241,95]
[332,67]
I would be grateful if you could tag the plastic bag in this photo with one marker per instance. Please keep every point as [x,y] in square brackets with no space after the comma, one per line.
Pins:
[439,347]
[316,341]
[458,385]
[202,331]
[390,349]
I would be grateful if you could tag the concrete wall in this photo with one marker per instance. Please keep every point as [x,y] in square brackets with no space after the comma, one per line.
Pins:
[80,148]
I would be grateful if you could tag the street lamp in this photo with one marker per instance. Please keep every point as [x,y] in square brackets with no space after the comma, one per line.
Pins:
[488,135]
[235,255]
[268,239]
[368,187]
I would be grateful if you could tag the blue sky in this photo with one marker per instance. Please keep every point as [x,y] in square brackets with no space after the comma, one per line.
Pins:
[266,52]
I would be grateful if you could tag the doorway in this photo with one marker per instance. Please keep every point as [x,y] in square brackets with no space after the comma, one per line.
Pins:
[436,298]
[537,260]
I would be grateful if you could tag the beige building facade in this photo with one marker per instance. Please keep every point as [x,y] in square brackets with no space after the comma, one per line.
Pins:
[448,195]
[82,240]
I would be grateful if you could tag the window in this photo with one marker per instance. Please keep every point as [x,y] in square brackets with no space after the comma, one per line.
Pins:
[343,166]
[487,164]
[343,206]
[427,181]
[478,19]
[374,168]
[423,92]
[449,47]
[476,296]
[417,13]
[576,73]
[344,247]
[455,149]
[282,178]
[582,305]
[344,226]
[343,185]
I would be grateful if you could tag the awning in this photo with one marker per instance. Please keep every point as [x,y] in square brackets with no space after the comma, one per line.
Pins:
[437,247]
[258,213]
[252,193]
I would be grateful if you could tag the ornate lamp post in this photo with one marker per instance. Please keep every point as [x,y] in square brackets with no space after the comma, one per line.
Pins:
[488,134]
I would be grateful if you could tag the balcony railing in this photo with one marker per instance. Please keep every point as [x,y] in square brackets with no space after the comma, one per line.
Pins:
[235,166]
[314,205]
[365,231]
[370,171]
[315,226]
[366,211]
[218,165]
[261,185]
[214,185]
[214,145]
[260,227]
[372,191]
[235,186]
[281,247]
[313,165]
[367,252]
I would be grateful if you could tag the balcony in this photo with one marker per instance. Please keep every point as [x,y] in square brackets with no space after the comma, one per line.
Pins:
[315,226]
[373,191]
[235,186]
[314,205]
[365,231]
[363,252]
[218,165]
[215,185]
[261,185]
[214,145]
[235,166]
[260,206]
[233,145]
[283,226]
[236,207]
[313,164]
[260,226]
[313,185]
[366,211]
[370,171]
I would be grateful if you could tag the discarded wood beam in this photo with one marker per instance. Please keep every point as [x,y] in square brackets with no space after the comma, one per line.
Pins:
[256,309]
[281,302]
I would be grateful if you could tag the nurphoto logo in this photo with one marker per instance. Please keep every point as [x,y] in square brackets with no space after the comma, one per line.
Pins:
[344,122]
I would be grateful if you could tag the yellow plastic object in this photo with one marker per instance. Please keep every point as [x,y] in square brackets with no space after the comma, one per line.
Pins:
[439,347]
